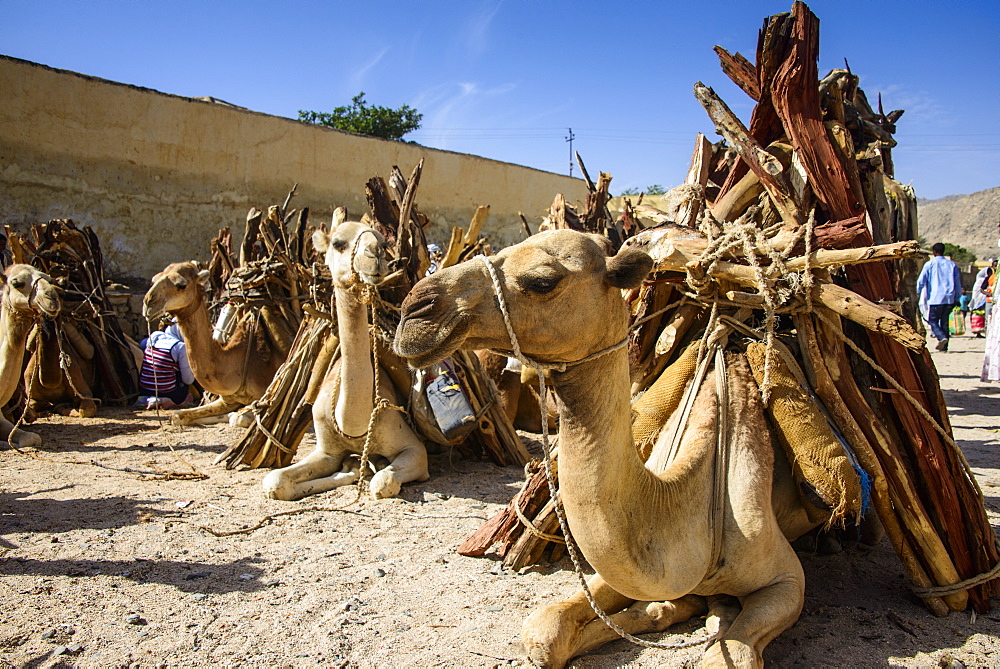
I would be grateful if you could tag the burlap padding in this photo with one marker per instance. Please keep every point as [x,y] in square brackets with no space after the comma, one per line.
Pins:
[816,454]
[651,411]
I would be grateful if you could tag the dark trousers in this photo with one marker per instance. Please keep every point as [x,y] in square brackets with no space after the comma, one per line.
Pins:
[938,317]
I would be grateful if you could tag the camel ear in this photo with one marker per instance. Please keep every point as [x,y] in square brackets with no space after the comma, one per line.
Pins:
[339,216]
[628,268]
[321,241]
[203,277]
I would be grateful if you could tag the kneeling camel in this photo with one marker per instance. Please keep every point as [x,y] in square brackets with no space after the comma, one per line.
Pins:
[356,256]
[646,528]
[238,371]
[27,295]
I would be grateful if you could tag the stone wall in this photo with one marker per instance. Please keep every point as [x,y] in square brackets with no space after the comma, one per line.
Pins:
[157,175]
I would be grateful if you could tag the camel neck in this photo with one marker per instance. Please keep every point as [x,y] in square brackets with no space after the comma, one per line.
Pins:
[357,377]
[14,329]
[196,328]
[595,426]
[602,481]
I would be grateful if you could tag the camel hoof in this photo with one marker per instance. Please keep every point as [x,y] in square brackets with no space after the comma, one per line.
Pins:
[276,487]
[241,418]
[87,409]
[384,485]
[177,419]
[23,439]
[731,653]
[546,639]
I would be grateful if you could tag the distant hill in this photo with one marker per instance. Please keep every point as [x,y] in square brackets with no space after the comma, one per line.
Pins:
[966,220]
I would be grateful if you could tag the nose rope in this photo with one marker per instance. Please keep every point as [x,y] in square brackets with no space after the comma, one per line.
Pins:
[571,547]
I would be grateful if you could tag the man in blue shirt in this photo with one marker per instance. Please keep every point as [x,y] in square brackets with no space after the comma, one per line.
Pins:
[940,278]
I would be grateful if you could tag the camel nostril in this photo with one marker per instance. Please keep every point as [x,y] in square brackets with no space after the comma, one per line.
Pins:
[420,309]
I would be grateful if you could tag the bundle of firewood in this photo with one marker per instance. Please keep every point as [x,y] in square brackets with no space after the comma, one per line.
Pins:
[281,417]
[792,232]
[82,357]
[274,274]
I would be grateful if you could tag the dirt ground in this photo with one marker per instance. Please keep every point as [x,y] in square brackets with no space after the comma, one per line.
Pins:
[104,565]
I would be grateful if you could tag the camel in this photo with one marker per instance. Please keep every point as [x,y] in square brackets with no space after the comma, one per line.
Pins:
[646,528]
[27,295]
[355,254]
[49,387]
[238,371]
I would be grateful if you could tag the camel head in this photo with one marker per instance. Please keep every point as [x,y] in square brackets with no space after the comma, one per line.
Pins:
[178,287]
[563,294]
[29,291]
[355,253]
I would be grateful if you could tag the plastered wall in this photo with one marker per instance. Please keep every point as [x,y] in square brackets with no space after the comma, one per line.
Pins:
[157,175]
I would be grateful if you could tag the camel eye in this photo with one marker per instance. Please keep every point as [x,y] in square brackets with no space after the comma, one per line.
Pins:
[338,245]
[541,285]
[17,283]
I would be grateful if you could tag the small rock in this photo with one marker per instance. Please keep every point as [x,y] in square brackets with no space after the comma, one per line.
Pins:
[433,497]
[74,648]
[272,582]
[60,650]
[246,577]
[54,540]
[48,634]
[199,596]
[379,573]
[135,619]
[142,633]
[352,604]
[379,557]
[496,608]
[183,505]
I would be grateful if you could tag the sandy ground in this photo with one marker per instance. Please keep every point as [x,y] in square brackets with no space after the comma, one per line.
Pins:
[102,564]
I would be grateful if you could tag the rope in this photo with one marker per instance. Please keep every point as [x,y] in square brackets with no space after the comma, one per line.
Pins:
[369,296]
[961,586]
[529,524]
[571,546]
[909,398]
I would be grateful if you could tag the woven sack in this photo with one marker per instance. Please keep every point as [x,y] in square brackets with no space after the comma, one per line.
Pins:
[816,454]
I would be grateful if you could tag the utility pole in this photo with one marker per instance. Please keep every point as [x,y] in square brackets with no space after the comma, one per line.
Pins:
[569,138]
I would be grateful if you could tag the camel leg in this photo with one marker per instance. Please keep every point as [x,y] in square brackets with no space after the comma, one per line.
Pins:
[191,416]
[552,635]
[409,464]
[317,472]
[766,613]
[18,438]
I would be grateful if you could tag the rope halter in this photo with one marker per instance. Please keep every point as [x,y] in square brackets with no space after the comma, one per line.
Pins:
[540,367]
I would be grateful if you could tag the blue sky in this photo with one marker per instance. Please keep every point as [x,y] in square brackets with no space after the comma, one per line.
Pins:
[506,79]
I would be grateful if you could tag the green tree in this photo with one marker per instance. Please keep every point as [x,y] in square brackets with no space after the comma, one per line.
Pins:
[655,189]
[959,254]
[364,119]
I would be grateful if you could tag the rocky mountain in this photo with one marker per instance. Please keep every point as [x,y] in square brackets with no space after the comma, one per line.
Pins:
[972,221]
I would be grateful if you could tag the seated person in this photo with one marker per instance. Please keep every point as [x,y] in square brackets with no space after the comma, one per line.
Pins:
[165,374]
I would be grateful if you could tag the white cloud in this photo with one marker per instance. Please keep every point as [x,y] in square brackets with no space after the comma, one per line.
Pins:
[359,75]
[478,27]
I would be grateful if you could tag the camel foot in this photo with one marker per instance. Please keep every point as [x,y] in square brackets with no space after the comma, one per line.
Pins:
[731,653]
[242,418]
[384,484]
[288,485]
[87,409]
[22,439]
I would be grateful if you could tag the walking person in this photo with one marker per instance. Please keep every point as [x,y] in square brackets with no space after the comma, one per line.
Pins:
[982,294]
[940,280]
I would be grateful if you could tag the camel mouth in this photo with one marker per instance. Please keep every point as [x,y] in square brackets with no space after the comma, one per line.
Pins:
[423,343]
